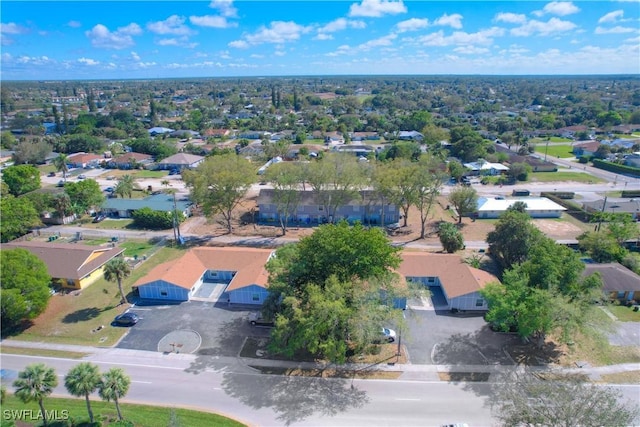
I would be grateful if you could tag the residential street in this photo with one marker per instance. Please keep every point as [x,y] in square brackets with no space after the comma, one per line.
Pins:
[229,386]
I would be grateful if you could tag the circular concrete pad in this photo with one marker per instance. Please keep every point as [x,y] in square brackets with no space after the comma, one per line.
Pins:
[180,341]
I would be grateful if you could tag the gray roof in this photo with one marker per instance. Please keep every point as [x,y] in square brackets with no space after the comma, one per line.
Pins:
[615,277]
[631,206]
[308,198]
[185,159]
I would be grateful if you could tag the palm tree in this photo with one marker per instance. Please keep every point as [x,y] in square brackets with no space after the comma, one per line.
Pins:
[62,205]
[35,383]
[60,163]
[125,186]
[114,271]
[115,384]
[82,380]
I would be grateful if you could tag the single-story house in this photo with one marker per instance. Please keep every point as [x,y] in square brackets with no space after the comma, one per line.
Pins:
[631,206]
[482,167]
[217,133]
[83,160]
[359,150]
[241,270]
[537,207]
[127,160]
[364,136]
[159,131]
[366,208]
[410,135]
[180,161]
[460,283]
[537,164]
[70,265]
[123,208]
[184,133]
[632,160]
[585,148]
[618,282]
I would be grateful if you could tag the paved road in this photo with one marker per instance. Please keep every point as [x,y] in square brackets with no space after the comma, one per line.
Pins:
[228,385]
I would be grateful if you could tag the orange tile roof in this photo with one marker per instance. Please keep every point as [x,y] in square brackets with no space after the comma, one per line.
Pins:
[457,277]
[248,263]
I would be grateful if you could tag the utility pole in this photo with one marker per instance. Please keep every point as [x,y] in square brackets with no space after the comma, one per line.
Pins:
[176,223]
[604,205]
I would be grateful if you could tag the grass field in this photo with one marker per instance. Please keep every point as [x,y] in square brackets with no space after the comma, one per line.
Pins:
[561,151]
[139,415]
[84,317]
[562,176]
[5,349]
[624,313]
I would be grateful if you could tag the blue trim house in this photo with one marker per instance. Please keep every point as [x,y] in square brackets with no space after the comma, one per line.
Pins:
[241,270]
[123,208]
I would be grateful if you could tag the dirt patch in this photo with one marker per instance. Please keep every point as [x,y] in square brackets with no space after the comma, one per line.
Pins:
[557,229]
[464,376]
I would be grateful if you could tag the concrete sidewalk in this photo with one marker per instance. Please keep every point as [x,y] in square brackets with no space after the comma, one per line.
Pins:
[409,371]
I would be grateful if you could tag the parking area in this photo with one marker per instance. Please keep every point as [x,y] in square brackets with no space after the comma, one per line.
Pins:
[197,327]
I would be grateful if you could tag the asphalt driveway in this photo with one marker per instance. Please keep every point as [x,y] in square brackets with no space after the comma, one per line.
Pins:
[222,329]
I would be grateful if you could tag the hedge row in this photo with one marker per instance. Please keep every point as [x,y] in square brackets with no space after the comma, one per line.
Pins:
[630,193]
[565,195]
[615,167]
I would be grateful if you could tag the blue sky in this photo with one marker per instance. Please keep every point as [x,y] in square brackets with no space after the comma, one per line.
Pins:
[221,38]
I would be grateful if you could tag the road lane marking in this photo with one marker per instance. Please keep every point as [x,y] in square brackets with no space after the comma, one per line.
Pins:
[141,382]
[407,399]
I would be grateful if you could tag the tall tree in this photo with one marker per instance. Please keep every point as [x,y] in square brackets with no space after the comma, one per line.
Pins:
[285,178]
[512,238]
[61,165]
[82,380]
[126,185]
[335,180]
[18,217]
[116,270]
[36,382]
[21,179]
[394,181]
[84,195]
[427,181]
[220,183]
[464,200]
[114,385]
[526,398]
[24,288]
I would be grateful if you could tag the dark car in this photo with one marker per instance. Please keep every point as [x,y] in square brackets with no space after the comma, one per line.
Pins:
[99,218]
[174,172]
[51,174]
[256,319]
[126,319]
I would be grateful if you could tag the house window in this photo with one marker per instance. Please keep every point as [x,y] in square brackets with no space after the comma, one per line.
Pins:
[621,294]
[255,297]
[431,280]
[163,293]
[213,273]
[479,302]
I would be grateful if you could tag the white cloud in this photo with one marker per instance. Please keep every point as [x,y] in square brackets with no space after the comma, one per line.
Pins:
[510,18]
[211,21]
[412,24]
[471,50]
[560,8]
[34,60]
[225,7]
[177,41]
[453,21]
[323,36]
[279,53]
[88,61]
[552,26]
[614,30]
[239,44]
[173,25]
[341,24]
[611,17]
[135,56]
[483,37]
[377,8]
[277,32]
[634,40]
[256,56]
[74,24]
[101,37]
[12,28]
[381,41]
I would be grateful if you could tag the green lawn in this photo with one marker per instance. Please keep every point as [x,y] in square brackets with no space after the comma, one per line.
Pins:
[551,139]
[561,151]
[624,313]
[136,249]
[139,415]
[76,318]
[562,176]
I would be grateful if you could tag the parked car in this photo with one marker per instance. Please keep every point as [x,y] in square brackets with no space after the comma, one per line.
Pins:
[388,335]
[174,172]
[109,189]
[256,319]
[81,176]
[99,218]
[60,183]
[111,177]
[51,174]
[126,319]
